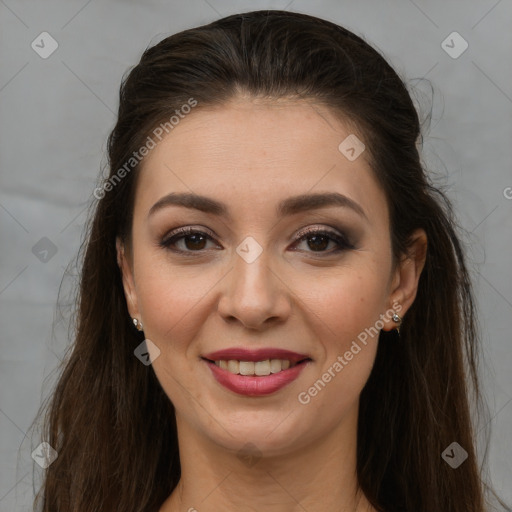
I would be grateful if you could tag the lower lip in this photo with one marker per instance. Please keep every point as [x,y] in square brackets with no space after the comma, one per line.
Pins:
[256,386]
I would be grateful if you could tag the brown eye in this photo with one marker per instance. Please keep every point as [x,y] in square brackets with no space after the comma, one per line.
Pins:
[318,240]
[193,240]
[197,241]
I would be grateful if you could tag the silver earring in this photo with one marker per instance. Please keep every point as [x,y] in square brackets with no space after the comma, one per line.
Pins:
[397,319]
[137,324]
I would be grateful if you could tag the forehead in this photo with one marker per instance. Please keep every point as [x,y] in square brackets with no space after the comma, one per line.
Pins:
[251,153]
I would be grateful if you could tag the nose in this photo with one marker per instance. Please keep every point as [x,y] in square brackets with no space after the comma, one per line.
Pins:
[255,295]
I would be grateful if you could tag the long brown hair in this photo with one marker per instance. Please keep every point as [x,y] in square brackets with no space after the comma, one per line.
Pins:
[109,420]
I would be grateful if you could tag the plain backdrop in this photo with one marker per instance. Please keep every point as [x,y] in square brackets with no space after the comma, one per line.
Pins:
[56,113]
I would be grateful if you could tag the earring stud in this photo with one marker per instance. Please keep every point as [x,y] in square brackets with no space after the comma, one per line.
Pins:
[138,325]
[398,320]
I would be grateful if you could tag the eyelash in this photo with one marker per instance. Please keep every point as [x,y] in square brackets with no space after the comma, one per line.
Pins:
[182,233]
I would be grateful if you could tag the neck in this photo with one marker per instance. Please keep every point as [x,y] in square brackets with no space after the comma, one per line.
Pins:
[321,475]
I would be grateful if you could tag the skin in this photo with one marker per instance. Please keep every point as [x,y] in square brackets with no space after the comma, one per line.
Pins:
[251,154]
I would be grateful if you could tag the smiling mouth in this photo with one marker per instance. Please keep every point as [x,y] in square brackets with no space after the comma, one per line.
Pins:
[256,368]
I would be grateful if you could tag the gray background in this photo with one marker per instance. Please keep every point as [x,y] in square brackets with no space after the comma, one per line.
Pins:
[57,112]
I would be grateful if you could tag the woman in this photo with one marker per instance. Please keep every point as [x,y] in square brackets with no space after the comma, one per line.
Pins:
[274,311]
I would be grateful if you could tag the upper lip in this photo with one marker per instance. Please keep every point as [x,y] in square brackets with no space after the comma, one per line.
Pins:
[261,354]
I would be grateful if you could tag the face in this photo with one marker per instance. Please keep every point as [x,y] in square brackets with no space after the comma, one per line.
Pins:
[262,275]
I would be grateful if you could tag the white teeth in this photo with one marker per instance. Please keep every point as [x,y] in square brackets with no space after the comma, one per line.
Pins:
[262,367]
[275,365]
[259,368]
[233,366]
[246,368]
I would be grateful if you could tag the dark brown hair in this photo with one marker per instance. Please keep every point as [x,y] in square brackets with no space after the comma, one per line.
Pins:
[109,419]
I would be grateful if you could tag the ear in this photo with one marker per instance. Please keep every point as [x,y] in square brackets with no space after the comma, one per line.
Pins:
[406,276]
[128,281]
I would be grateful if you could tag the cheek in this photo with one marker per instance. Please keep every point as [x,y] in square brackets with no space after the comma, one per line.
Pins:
[170,298]
[346,311]
[173,306]
[346,304]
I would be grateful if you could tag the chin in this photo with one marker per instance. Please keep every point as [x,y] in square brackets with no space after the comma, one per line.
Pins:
[270,435]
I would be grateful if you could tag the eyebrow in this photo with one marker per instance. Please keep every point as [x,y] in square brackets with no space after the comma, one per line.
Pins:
[290,206]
